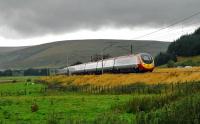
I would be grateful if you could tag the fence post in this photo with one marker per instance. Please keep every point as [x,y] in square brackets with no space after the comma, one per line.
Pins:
[178,86]
[172,87]
[186,86]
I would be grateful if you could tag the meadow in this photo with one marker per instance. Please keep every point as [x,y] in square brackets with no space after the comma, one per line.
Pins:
[29,102]
[149,98]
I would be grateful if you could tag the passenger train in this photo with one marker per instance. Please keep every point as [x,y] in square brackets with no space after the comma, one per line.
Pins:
[142,62]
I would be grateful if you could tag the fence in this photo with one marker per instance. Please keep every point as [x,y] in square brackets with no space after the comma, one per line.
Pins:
[140,88]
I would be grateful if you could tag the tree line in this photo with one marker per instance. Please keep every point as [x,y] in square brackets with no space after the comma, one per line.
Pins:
[26,72]
[186,45]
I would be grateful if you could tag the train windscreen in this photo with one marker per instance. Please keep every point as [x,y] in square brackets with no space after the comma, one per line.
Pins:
[146,58]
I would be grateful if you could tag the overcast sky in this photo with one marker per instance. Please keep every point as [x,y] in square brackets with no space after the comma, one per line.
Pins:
[30,22]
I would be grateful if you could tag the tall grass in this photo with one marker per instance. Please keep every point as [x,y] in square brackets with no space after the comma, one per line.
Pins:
[172,76]
[179,105]
[139,88]
[184,111]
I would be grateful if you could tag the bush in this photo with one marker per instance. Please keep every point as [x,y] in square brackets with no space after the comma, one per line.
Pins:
[163,58]
[14,81]
[170,64]
[34,107]
[28,80]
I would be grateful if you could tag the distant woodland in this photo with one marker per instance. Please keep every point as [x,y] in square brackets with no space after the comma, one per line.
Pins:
[186,46]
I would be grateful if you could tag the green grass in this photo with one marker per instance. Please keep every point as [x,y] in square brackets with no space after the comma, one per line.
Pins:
[76,106]
[62,106]
[182,111]
[53,106]
[188,61]
[13,89]
[20,86]
[18,78]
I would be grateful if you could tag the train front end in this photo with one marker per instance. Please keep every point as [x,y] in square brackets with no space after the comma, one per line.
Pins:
[146,62]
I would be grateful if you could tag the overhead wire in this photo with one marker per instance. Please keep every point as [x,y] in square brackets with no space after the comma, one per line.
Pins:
[173,24]
[111,44]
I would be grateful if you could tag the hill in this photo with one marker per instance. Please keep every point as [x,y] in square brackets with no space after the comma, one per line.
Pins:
[55,54]
[4,50]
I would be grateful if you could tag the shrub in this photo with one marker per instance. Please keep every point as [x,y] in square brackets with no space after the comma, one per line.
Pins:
[34,107]
[28,80]
[170,64]
[14,81]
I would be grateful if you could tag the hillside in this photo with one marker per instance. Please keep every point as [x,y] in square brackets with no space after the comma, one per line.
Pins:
[55,54]
[188,61]
[4,50]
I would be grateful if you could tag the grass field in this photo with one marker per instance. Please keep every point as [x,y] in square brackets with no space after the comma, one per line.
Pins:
[33,100]
[17,98]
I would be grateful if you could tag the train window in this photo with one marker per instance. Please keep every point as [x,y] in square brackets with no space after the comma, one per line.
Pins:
[146,58]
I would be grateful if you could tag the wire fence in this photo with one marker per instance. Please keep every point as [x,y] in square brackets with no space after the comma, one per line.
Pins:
[138,88]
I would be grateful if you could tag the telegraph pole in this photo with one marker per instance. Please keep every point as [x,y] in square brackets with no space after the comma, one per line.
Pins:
[131,49]
[102,62]
[91,58]
[67,61]
[68,65]
[102,55]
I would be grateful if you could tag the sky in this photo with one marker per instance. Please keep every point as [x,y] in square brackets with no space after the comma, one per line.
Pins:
[32,22]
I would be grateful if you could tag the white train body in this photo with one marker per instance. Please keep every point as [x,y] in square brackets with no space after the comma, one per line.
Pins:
[123,64]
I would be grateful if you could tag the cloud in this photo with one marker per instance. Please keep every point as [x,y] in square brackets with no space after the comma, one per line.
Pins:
[29,18]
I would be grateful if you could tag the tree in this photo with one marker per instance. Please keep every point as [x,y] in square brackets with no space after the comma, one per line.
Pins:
[187,45]
[36,72]
[98,57]
[197,32]
[7,72]
[163,58]
[76,63]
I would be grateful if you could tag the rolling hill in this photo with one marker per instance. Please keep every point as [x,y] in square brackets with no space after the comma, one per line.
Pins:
[55,54]
[9,49]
